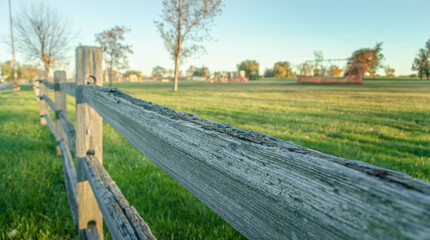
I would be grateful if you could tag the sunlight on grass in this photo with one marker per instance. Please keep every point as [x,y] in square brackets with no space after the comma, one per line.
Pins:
[383,122]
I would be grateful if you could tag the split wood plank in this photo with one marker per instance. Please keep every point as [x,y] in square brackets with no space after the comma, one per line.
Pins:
[265,187]
[69,172]
[69,88]
[122,220]
[43,108]
[88,135]
[60,106]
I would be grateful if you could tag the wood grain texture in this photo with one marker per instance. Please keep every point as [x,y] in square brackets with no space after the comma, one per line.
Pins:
[88,122]
[50,123]
[37,89]
[69,172]
[49,101]
[48,84]
[69,130]
[265,187]
[122,220]
[91,232]
[89,133]
[43,108]
[60,106]
[69,88]
[86,205]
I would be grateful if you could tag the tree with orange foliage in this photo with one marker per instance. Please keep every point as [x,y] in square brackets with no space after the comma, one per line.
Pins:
[368,60]
[334,71]
[279,71]
[282,69]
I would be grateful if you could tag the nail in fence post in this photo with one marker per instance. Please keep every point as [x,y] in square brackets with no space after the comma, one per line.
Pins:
[60,105]
[88,135]
[43,90]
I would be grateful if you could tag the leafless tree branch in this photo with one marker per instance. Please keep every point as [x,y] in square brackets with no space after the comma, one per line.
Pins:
[42,34]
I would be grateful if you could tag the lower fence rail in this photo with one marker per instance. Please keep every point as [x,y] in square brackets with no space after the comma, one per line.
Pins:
[266,188]
[70,179]
[68,128]
[50,123]
[122,220]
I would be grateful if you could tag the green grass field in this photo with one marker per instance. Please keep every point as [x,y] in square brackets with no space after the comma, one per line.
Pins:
[382,122]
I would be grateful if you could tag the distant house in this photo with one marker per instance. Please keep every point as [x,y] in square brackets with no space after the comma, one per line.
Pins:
[228,77]
[116,76]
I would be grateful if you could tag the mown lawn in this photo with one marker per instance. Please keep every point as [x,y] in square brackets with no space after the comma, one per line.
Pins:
[383,122]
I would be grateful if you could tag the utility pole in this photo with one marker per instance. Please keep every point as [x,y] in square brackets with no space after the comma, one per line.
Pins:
[14,76]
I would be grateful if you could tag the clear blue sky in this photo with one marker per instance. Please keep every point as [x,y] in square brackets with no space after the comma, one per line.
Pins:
[267,31]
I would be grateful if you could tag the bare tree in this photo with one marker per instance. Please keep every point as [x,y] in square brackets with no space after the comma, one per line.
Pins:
[389,71]
[318,67]
[158,72]
[43,34]
[184,25]
[111,42]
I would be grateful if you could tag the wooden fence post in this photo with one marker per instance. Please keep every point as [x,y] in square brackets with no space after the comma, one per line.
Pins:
[36,89]
[43,90]
[89,136]
[60,105]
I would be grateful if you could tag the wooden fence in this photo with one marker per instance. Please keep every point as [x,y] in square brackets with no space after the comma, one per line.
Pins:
[264,187]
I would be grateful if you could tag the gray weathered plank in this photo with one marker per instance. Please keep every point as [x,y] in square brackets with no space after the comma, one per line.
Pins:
[89,135]
[69,88]
[48,84]
[49,101]
[141,228]
[87,204]
[69,129]
[37,89]
[50,123]
[43,90]
[60,106]
[122,220]
[70,180]
[265,187]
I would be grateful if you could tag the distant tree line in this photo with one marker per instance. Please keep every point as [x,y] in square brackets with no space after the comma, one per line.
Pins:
[199,72]
[159,72]
[421,62]
[44,35]
[25,71]
[251,68]
[280,69]
[128,73]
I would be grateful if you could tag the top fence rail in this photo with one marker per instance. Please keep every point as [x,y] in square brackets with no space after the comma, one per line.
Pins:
[265,187]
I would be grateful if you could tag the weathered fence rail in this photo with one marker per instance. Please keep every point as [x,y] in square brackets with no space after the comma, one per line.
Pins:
[68,129]
[264,187]
[91,192]
[69,172]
